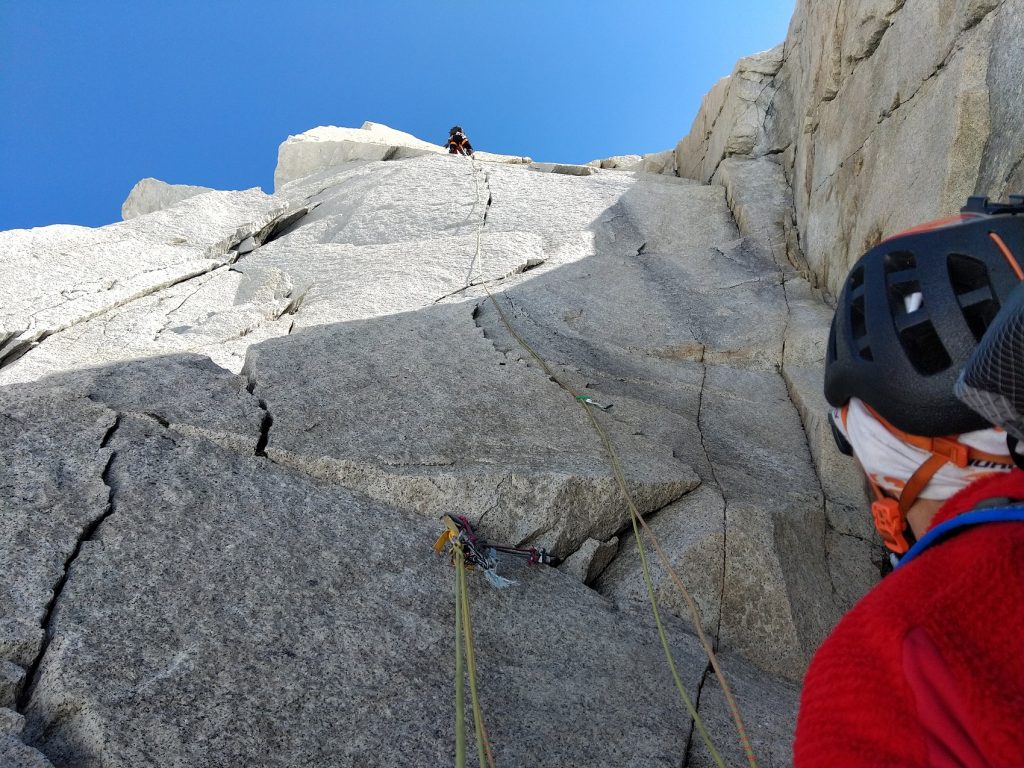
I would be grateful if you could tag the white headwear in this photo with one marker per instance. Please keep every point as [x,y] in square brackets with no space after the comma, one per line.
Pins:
[891,461]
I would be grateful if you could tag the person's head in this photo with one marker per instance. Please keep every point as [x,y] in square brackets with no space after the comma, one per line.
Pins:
[911,312]
[455,129]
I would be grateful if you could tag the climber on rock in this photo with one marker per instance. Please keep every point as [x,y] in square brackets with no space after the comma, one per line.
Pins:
[927,669]
[458,144]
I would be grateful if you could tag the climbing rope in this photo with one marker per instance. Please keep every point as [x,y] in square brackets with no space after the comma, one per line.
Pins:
[637,521]
[464,640]
[483,746]
[468,550]
[460,675]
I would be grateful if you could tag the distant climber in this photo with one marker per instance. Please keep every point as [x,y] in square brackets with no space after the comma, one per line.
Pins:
[458,144]
[927,669]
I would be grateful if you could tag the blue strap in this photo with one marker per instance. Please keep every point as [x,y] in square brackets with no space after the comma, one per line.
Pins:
[967,519]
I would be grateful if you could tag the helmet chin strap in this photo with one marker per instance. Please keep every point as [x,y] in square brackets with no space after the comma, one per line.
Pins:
[890,515]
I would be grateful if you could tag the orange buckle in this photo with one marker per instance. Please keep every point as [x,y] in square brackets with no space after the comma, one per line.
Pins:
[890,523]
[952,450]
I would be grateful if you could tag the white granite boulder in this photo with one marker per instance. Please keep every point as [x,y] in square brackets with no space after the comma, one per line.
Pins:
[60,276]
[655,162]
[154,195]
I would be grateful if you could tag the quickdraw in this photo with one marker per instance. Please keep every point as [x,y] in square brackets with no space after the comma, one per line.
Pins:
[588,400]
[478,553]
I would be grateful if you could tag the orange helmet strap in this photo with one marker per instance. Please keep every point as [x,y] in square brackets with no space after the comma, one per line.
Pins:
[890,515]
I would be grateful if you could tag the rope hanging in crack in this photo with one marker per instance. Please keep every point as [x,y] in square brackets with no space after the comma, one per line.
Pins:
[637,521]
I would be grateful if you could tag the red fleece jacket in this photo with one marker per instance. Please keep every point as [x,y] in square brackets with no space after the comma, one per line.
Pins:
[928,668]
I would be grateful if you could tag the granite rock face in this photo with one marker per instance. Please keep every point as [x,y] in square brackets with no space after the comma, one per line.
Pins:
[154,195]
[731,118]
[882,115]
[272,617]
[61,276]
[217,527]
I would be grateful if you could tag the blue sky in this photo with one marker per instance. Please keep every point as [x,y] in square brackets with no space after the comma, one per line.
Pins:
[97,94]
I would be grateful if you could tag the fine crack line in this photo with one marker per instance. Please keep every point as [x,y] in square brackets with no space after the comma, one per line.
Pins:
[483,220]
[265,424]
[737,285]
[506,478]
[787,382]
[87,534]
[16,346]
[696,705]
[526,266]
[110,432]
[721,488]
[1013,170]
[202,284]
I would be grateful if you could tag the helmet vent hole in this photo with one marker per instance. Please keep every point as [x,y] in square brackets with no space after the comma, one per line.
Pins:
[899,261]
[858,322]
[859,328]
[970,280]
[905,299]
[924,348]
[856,279]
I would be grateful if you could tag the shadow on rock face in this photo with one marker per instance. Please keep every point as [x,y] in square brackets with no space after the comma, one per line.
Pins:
[226,608]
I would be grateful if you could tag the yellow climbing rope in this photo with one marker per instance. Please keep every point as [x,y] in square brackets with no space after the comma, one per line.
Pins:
[460,676]
[637,521]
[464,645]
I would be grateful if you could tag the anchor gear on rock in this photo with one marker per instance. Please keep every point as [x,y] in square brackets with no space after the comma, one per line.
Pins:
[458,144]
[588,400]
[911,313]
[481,554]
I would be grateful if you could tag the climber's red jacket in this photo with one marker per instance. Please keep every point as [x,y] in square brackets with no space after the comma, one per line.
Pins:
[928,668]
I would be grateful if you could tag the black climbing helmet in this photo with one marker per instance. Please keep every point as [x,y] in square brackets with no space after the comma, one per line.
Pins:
[455,129]
[914,307]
